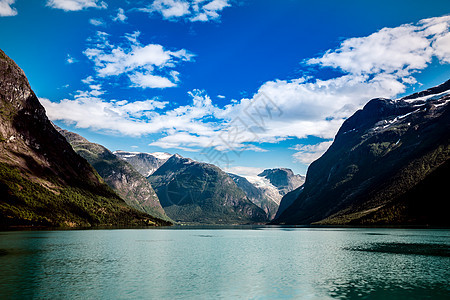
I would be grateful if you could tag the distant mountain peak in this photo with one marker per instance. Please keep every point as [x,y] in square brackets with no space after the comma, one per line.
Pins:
[283,179]
[145,163]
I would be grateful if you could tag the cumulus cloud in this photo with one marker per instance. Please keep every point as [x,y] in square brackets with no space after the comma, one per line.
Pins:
[244,171]
[70,59]
[306,154]
[96,22]
[5,8]
[397,51]
[89,111]
[382,64]
[75,5]
[190,10]
[147,66]
[88,80]
[120,17]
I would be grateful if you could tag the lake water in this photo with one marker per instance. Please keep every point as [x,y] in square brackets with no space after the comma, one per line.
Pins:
[253,263]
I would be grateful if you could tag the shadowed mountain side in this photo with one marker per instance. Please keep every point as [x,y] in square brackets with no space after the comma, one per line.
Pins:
[385,166]
[118,174]
[42,180]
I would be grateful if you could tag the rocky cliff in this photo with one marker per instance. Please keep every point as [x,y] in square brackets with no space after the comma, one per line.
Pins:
[43,182]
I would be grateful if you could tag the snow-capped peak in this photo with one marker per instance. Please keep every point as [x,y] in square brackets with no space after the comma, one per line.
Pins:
[427,97]
[161,155]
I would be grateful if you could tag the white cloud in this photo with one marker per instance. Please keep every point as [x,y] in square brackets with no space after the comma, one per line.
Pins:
[170,8]
[442,47]
[190,10]
[306,154]
[280,110]
[88,111]
[244,171]
[87,80]
[147,80]
[148,66]
[209,11]
[75,5]
[120,17]
[5,8]
[398,50]
[70,59]
[96,22]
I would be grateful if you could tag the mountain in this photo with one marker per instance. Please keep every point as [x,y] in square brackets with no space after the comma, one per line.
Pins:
[267,189]
[287,200]
[144,163]
[42,180]
[118,174]
[196,192]
[389,164]
[257,195]
[283,179]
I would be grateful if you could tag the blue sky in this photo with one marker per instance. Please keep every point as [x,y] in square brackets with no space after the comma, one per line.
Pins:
[246,84]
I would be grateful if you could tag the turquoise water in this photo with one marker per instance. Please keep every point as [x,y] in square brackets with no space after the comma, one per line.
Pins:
[260,263]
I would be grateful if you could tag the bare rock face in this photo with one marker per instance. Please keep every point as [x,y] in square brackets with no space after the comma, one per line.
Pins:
[268,188]
[29,141]
[42,180]
[260,196]
[118,174]
[283,179]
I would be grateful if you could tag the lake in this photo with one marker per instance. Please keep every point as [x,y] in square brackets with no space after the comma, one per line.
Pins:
[226,263]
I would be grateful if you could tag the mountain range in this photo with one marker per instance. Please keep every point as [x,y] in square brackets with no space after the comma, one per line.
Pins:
[267,188]
[197,192]
[389,164]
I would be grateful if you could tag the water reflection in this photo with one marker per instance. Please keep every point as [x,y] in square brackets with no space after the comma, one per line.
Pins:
[267,263]
[407,248]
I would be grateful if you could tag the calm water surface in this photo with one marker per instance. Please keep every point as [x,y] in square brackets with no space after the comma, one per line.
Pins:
[261,263]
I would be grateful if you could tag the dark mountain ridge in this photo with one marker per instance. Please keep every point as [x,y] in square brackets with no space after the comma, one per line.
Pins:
[381,158]
[42,180]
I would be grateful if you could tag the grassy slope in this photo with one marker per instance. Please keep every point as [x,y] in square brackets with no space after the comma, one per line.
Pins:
[25,202]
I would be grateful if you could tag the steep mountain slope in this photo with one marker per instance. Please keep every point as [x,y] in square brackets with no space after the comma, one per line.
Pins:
[42,180]
[267,189]
[144,163]
[287,200]
[118,174]
[256,195]
[389,164]
[197,192]
[283,179]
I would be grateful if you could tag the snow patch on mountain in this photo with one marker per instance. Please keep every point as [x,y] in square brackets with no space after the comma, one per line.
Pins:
[144,163]
[427,97]
[269,190]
